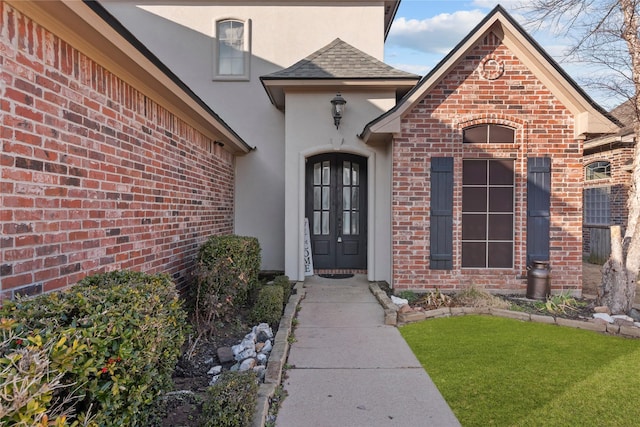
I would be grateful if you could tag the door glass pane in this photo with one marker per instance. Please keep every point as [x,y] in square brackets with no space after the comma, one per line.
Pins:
[355,198]
[346,222]
[355,176]
[325,223]
[317,174]
[325,198]
[346,198]
[326,173]
[317,197]
[355,223]
[346,173]
[316,223]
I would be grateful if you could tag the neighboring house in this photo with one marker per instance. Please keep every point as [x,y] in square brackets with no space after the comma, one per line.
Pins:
[607,175]
[460,178]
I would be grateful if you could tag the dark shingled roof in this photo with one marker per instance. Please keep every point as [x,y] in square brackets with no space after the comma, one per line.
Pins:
[339,60]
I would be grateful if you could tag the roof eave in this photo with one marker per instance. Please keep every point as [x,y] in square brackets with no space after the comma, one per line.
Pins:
[97,34]
[276,87]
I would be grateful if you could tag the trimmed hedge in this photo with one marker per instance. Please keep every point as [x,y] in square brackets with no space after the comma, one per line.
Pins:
[231,401]
[284,282]
[227,272]
[268,307]
[111,341]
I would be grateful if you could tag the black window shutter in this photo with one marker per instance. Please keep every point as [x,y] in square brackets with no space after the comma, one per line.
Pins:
[441,214]
[538,208]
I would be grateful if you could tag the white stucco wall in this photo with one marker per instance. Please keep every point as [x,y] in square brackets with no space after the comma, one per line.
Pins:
[182,36]
[310,131]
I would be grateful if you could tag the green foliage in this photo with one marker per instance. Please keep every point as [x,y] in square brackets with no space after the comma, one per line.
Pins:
[286,286]
[410,296]
[268,307]
[561,303]
[111,342]
[231,400]
[542,375]
[227,272]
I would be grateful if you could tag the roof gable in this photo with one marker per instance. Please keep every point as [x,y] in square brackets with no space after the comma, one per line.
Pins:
[339,60]
[336,64]
[590,118]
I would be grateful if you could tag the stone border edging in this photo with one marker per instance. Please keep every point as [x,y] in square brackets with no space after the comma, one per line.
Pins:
[277,358]
[393,317]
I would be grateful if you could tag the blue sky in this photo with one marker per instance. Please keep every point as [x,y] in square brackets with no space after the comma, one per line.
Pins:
[424,31]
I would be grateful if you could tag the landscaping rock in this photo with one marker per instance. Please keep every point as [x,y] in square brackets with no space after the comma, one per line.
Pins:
[215,370]
[406,308]
[225,355]
[603,316]
[399,301]
[263,332]
[602,309]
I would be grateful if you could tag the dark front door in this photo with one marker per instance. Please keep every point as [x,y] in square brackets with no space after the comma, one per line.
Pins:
[336,206]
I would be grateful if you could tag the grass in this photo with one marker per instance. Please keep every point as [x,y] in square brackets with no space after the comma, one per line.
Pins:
[502,372]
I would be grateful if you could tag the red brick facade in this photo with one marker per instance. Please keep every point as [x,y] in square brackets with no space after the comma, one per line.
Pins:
[490,85]
[619,155]
[95,175]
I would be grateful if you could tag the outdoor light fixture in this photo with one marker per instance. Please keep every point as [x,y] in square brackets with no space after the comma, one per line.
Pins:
[337,108]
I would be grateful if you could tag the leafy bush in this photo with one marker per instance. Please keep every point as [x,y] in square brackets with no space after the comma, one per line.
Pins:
[268,307]
[231,401]
[284,282]
[112,343]
[227,271]
[410,296]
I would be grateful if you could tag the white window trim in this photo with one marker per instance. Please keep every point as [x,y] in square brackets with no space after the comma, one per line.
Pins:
[247,52]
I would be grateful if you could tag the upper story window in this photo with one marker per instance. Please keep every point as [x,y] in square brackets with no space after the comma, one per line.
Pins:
[489,133]
[597,170]
[232,53]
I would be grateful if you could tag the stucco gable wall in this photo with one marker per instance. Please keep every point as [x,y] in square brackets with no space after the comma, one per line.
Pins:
[473,93]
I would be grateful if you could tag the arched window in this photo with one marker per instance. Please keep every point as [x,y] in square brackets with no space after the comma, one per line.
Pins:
[489,133]
[232,49]
[597,170]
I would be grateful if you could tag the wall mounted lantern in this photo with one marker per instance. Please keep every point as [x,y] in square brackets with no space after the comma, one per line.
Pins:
[337,108]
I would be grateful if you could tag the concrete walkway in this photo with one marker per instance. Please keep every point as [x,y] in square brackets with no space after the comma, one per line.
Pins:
[349,369]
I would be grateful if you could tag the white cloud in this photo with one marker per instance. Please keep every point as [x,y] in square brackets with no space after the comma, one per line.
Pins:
[434,35]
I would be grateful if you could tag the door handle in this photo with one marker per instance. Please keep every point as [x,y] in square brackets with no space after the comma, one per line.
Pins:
[339,239]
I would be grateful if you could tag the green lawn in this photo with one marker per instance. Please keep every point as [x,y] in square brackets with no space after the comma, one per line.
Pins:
[503,372]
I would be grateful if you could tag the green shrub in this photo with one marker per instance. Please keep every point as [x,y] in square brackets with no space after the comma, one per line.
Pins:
[231,401]
[284,282]
[410,296]
[268,307]
[114,340]
[227,271]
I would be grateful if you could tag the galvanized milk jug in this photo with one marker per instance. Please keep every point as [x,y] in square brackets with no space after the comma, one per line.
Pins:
[538,280]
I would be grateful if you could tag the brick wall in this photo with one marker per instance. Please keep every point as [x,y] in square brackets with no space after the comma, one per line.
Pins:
[96,176]
[471,94]
[620,156]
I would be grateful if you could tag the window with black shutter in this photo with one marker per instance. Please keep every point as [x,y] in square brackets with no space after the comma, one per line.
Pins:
[441,213]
